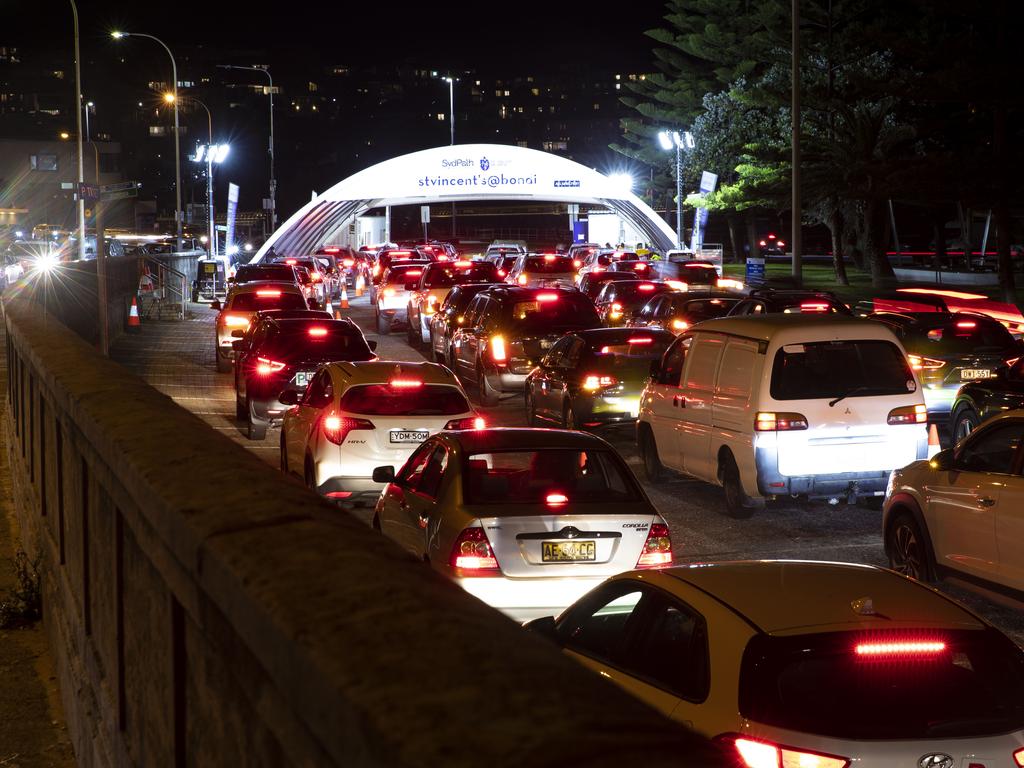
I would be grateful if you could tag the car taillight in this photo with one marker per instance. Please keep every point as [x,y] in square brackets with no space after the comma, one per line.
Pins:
[919,363]
[546,297]
[470,422]
[405,383]
[814,306]
[265,366]
[336,428]
[502,273]
[1012,361]
[616,310]
[908,414]
[236,321]
[472,552]
[348,262]
[728,282]
[645,287]
[594,383]
[376,269]
[413,273]
[498,352]
[316,277]
[680,325]
[267,294]
[317,332]
[677,285]
[597,270]
[291,262]
[780,244]
[463,264]
[431,305]
[521,279]
[389,291]
[657,549]
[764,754]
[766,421]
[332,249]
[556,499]
[1018,757]
[900,649]
[641,267]
[576,263]
[640,340]
[966,324]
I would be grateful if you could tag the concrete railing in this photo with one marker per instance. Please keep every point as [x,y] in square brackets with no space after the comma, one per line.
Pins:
[205,610]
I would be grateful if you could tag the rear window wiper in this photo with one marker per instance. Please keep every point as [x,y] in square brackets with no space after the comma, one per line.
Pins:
[847,393]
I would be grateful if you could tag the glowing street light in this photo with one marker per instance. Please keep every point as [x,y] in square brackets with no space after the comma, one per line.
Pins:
[211,154]
[623,182]
[669,140]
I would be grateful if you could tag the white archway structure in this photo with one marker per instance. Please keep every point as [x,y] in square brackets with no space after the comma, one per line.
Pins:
[459,173]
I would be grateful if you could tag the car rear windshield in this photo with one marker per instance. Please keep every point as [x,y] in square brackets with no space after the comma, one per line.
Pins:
[444,277]
[636,293]
[706,309]
[960,337]
[336,344]
[698,274]
[566,311]
[386,400]
[531,476]
[548,265]
[810,306]
[822,684]
[641,346]
[267,299]
[828,369]
[401,275]
[280,272]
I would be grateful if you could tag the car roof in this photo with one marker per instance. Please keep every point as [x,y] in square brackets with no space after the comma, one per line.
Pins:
[595,334]
[768,326]
[381,372]
[260,285]
[524,438]
[800,596]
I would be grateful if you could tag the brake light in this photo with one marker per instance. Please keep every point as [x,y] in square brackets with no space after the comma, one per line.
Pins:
[645,287]
[348,262]
[546,297]
[316,277]
[576,263]
[472,552]
[401,253]
[336,428]
[498,351]
[414,273]
[267,294]
[814,306]
[236,321]
[265,366]
[1018,757]
[317,332]
[966,324]
[549,257]
[291,262]
[901,649]
[442,257]
[908,414]
[728,282]
[657,549]
[764,754]
[596,270]
[521,279]
[641,267]
[680,325]
[780,244]
[640,340]
[593,383]
[376,269]
[470,422]
[677,285]
[502,273]
[463,264]
[779,422]
[556,499]
[919,363]
[762,243]
[405,383]
[389,292]
[332,249]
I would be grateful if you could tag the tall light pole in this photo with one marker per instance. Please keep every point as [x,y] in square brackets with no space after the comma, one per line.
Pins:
[211,154]
[795,239]
[451,110]
[177,137]
[88,105]
[169,97]
[668,140]
[78,118]
[273,181]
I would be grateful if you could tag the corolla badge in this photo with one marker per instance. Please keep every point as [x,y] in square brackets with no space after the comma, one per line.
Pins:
[484,163]
[936,760]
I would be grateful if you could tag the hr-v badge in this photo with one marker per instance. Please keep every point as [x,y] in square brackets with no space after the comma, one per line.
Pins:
[484,163]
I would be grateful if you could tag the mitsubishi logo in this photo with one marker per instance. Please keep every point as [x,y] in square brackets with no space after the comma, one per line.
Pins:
[935,760]
[848,411]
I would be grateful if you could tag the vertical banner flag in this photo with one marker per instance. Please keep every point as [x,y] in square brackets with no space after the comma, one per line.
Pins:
[229,238]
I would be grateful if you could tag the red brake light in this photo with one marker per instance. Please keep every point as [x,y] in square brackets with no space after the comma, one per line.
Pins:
[470,422]
[547,297]
[556,499]
[595,270]
[657,549]
[336,428]
[640,340]
[498,352]
[265,366]
[779,422]
[268,294]
[405,383]
[317,332]
[521,279]
[645,287]
[814,306]
[771,237]
[316,277]
[502,273]
[593,383]
[641,267]
[236,321]
[1018,757]
[414,273]
[919,363]
[291,262]
[401,253]
[764,754]
[348,262]
[472,552]
[908,414]
[332,249]
[900,649]
[463,264]
[780,244]
[762,243]
[549,257]
[576,263]
[966,324]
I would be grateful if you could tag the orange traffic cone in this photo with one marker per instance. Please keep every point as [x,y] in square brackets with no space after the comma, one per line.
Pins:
[360,285]
[328,307]
[933,441]
[344,297]
[133,315]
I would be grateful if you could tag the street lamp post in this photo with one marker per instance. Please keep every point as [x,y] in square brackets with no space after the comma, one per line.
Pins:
[177,148]
[78,118]
[451,110]
[211,154]
[273,181]
[209,176]
[668,139]
[89,105]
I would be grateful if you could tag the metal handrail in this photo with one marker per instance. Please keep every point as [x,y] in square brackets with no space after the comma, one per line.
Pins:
[167,279]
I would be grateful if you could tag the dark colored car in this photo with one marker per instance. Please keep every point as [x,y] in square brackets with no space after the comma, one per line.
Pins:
[449,317]
[436,281]
[638,267]
[507,330]
[619,300]
[283,354]
[978,401]
[676,312]
[247,273]
[592,282]
[770,300]
[694,273]
[594,378]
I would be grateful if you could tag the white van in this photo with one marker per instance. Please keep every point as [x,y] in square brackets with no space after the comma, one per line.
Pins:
[779,405]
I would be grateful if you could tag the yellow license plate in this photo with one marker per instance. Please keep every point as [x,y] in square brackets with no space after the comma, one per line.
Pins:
[568,551]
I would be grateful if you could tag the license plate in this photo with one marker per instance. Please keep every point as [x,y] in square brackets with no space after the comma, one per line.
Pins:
[568,551]
[301,379]
[975,373]
[409,435]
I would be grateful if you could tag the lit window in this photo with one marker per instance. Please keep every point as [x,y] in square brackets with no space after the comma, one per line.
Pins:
[313,87]
[43,162]
[440,115]
[596,106]
[157,130]
[507,93]
[618,86]
[535,91]
[524,144]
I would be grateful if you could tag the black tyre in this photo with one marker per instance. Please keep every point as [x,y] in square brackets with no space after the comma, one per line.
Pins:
[223,361]
[907,549]
[239,408]
[308,475]
[653,468]
[284,455]
[531,410]
[737,504]
[966,421]
[257,427]
[488,397]
[383,324]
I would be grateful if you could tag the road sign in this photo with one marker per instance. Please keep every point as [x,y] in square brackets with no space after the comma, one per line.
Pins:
[119,191]
[424,214]
[88,191]
[755,270]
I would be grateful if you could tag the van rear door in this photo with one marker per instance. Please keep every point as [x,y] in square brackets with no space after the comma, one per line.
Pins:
[693,428]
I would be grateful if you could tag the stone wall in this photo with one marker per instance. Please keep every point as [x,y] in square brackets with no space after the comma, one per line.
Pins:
[206,610]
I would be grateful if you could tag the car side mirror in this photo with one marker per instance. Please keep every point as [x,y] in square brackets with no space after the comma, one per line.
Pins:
[944,461]
[215,304]
[289,397]
[384,474]
[544,626]
[372,344]
[238,345]
[237,333]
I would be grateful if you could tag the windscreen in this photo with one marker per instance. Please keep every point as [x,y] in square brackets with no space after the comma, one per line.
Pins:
[250,272]
[629,350]
[565,312]
[595,282]
[706,309]
[445,277]
[548,265]
[959,337]
[829,369]
[252,302]
[530,476]
[336,344]
[401,276]
[822,684]
[698,274]
[809,306]
[424,400]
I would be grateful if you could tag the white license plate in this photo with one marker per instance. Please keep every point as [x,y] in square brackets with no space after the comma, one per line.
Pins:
[975,373]
[301,379]
[409,435]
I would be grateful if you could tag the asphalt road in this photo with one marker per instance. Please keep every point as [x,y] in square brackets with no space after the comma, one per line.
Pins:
[177,358]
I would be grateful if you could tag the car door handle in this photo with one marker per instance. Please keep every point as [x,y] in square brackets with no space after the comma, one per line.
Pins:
[986,501]
[679,401]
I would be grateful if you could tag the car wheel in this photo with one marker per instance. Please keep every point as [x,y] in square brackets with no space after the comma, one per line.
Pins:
[488,397]
[737,504]
[654,470]
[223,361]
[284,454]
[257,427]
[438,356]
[383,324]
[531,410]
[966,422]
[239,408]
[907,549]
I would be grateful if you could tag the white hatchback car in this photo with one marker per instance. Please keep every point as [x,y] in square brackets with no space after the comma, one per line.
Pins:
[527,520]
[354,417]
[397,285]
[790,664]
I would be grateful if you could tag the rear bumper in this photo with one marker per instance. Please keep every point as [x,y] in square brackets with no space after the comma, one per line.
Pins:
[525,599]
[269,409]
[606,410]
[357,488]
[506,381]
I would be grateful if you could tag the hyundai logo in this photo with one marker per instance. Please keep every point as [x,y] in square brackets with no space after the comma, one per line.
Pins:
[936,760]
[484,163]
